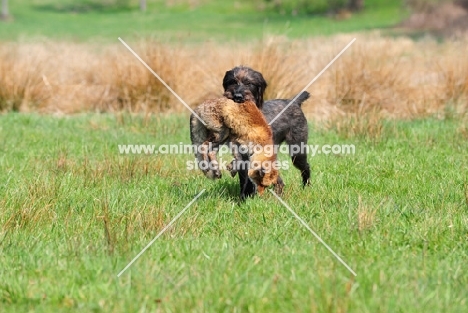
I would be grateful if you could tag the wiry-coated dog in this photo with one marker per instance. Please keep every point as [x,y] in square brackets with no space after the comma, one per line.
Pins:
[243,83]
[240,123]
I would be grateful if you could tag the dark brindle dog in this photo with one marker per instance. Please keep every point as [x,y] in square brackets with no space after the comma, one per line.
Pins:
[243,83]
[243,125]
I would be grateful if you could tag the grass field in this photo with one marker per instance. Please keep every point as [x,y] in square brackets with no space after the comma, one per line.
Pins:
[74,212]
[208,20]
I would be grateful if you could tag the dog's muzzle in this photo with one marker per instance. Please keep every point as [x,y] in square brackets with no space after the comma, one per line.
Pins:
[238,97]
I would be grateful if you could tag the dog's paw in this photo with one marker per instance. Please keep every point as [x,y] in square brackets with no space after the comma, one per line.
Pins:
[249,190]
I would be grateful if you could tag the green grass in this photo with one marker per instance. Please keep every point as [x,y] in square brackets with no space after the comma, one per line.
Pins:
[73,213]
[216,20]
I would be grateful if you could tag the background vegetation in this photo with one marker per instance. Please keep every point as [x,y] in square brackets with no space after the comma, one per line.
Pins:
[194,21]
[392,77]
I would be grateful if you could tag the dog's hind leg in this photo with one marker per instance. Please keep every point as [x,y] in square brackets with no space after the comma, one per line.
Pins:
[300,162]
[297,142]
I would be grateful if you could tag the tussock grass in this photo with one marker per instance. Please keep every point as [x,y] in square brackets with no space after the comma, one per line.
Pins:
[21,87]
[392,77]
[363,125]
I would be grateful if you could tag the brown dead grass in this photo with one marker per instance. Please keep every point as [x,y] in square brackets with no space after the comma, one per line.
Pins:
[368,125]
[386,77]
[463,131]
[366,216]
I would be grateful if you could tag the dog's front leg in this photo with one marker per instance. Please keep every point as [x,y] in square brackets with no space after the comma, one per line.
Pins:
[247,187]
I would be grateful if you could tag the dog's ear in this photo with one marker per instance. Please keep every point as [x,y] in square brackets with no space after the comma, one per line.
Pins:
[260,91]
[228,77]
[259,99]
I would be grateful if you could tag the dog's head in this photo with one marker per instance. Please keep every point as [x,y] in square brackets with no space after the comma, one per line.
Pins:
[243,83]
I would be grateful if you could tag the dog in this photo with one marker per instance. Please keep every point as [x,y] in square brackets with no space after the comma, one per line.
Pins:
[242,124]
[243,83]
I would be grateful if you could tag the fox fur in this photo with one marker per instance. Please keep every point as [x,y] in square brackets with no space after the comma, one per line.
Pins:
[243,124]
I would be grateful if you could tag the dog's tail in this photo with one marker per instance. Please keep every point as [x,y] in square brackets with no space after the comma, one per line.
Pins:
[303,96]
[198,135]
[198,131]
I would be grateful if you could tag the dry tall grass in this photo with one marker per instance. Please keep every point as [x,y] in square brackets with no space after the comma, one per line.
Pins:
[388,77]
